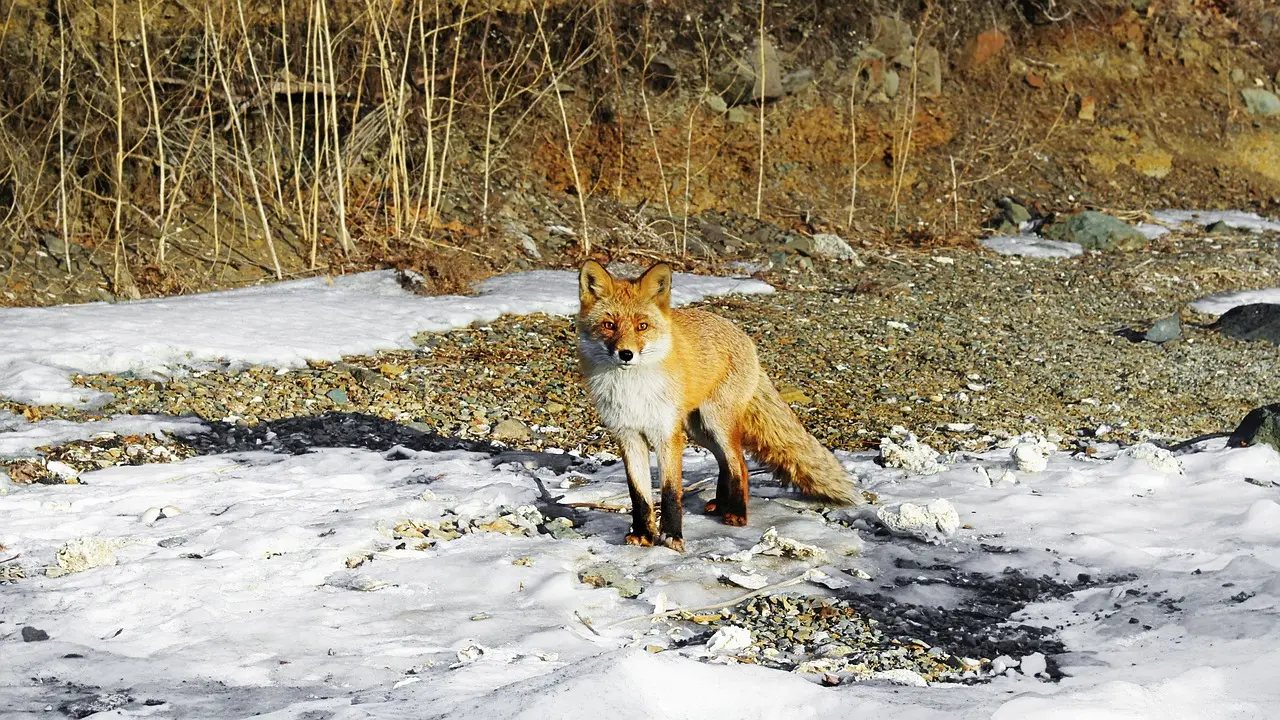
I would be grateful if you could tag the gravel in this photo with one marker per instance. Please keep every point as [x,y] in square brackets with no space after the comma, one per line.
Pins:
[1007,345]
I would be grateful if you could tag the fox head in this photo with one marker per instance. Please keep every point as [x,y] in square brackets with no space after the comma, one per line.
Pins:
[624,322]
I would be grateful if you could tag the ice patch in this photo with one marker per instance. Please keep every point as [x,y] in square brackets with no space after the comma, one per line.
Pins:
[1151,231]
[1034,246]
[1238,219]
[1220,303]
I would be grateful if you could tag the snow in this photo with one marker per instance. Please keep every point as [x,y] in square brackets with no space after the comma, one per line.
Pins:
[1237,219]
[1221,302]
[1028,245]
[280,587]
[283,324]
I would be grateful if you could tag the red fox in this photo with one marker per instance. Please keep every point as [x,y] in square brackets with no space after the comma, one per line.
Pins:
[658,376]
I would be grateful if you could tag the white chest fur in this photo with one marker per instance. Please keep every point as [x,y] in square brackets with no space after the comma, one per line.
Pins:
[637,398]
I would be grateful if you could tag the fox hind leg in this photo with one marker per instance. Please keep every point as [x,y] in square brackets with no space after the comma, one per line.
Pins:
[731,486]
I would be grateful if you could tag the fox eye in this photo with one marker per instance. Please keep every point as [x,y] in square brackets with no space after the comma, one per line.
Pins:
[607,325]
[642,326]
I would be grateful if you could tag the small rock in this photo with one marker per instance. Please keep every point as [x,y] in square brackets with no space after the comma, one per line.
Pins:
[170,542]
[981,48]
[1260,427]
[771,543]
[562,529]
[1096,231]
[30,634]
[738,115]
[929,67]
[1260,102]
[62,470]
[794,82]
[891,83]
[833,247]
[1014,211]
[605,575]
[93,705]
[86,553]
[716,102]
[511,429]
[1087,110]
[1218,227]
[891,36]
[1165,329]
[1255,321]
[791,394]
[768,77]
[338,395]
[750,581]
[370,378]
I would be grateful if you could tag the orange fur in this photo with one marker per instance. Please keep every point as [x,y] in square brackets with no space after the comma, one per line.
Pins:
[659,376]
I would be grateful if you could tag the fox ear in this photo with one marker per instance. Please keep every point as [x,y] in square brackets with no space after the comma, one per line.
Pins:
[655,284]
[594,282]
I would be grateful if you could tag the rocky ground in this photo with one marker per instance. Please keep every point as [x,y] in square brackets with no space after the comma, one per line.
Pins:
[963,347]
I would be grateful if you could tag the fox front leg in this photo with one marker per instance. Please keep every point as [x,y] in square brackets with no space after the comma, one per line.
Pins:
[671,467]
[635,457]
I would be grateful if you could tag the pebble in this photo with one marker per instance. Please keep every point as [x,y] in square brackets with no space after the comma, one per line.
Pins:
[30,634]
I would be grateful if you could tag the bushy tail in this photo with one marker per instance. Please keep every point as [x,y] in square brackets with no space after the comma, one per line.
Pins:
[775,437]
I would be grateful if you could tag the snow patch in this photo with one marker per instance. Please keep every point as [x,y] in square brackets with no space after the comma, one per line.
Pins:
[1219,303]
[282,324]
[1237,219]
[1033,246]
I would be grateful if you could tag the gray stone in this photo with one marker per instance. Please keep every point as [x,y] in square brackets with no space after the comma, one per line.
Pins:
[606,575]
[768,76]
[929,67]
[891,35]
[1014,211]
[338,395]
[1256,321]
[1093,230]
[1260,427]
[891,82]
[562,529]
[1260,102]
[370,378]
[1165,329]
[30,634]
[171,542]
[738,115]
[794,82]
[716,102]
[823,245]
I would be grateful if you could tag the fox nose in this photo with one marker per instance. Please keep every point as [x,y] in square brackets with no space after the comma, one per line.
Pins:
[625,355]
